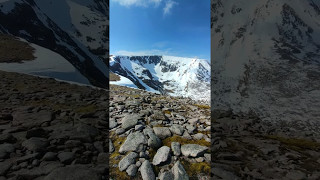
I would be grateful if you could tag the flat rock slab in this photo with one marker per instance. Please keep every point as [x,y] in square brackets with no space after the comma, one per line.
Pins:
[162,132]
[161,156]
[134,142]
[29,120]
[193,150]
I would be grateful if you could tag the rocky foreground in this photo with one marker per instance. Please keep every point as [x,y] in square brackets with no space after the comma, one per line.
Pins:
[158,137]
[52,130]
[245,147]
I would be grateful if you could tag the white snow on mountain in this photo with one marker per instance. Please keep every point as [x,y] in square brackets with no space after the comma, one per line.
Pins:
[175,76]
[124,82]
[266,57]
[47,63]
[74,29]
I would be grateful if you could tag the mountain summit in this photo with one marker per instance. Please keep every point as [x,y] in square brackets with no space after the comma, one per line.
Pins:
[175,76]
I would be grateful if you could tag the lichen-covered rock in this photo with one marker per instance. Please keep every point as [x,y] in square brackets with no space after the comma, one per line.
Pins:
[162,155]
[193,150]
[146,171]
[134,142]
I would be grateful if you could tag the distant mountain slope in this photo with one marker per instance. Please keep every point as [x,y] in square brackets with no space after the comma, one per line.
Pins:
[176,76]
[266,58]
[75,29]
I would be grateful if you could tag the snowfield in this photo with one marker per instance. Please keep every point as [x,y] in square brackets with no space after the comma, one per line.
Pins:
[48,64]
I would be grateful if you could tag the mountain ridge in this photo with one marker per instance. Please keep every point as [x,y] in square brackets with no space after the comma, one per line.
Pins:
[171,75]
[80,37]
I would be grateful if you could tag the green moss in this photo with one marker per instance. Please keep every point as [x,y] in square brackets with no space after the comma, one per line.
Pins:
[193,169]
[297,144]
[115,173]
[175,138]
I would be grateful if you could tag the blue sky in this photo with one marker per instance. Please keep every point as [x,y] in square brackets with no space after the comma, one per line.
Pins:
[160,27]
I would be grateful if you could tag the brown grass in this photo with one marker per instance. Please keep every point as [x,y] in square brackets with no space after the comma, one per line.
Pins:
[14,50]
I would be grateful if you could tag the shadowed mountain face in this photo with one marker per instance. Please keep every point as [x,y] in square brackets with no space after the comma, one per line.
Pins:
[267,58]
[75,29]
[176,76]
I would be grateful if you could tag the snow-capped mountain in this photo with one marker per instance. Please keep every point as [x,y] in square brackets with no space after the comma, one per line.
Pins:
[266,58]
[74,29]
[175,76]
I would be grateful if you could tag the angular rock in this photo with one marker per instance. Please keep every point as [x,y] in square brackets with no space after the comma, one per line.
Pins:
[134,142]
[127,161]
[175,146]
[179,172]
[193,150]
[120,131]
[112,123]
[129,121]
[162,132]
[167,175]
[177,129]
[190,128]
[161,156]
[132,170]
[146,171]
[153,141]
[198,136]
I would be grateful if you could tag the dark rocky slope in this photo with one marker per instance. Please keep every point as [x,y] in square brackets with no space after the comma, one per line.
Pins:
[51,129]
